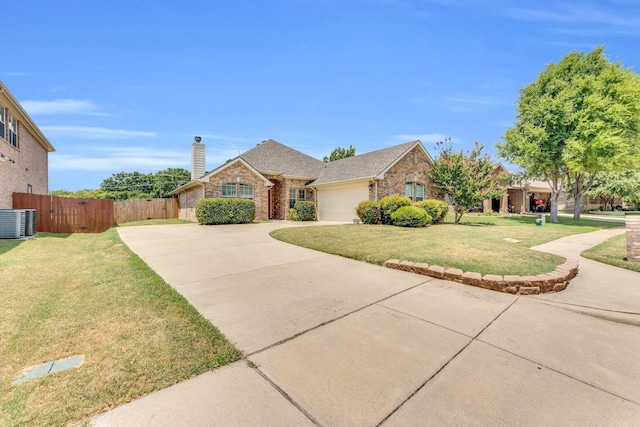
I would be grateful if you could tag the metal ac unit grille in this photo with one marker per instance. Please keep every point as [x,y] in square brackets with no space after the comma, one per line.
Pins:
[31,222]
[12,223]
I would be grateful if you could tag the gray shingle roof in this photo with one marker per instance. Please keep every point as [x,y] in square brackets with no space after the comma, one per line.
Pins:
[271,156]
[365,165]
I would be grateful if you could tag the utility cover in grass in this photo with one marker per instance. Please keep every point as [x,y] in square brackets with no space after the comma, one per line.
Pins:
[510,240]
[48,368]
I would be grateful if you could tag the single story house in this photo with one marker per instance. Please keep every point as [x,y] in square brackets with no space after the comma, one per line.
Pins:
[275,176]
[24,150]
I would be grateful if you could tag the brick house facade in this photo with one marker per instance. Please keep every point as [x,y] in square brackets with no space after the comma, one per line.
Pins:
[24,150]
[275,176]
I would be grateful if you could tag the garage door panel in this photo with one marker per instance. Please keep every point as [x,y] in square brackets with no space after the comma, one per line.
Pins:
[339,203]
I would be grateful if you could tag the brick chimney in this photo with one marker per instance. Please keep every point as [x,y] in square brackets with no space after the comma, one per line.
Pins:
[198,159]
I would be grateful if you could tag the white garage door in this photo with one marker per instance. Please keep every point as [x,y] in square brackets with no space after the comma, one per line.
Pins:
[338,203]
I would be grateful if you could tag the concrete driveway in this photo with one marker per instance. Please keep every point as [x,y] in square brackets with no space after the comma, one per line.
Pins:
[340,342]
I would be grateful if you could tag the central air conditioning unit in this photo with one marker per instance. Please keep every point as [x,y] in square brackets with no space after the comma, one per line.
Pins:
[12,223]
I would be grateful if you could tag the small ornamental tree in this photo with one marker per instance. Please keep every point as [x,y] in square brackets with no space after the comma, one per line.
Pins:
[466,178]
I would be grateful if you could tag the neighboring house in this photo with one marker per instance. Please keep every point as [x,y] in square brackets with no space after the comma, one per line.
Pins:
[24,165]
[275,176]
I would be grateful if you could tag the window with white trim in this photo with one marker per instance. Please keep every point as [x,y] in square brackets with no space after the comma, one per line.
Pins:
[229,189]
[246,191]
[296,194]
[414,191]
[2,121]
[234,190]
[13,131]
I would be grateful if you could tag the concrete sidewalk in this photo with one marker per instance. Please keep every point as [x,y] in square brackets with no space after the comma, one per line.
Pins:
[341,342]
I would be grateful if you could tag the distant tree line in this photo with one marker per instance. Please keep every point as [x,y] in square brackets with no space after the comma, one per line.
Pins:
[133,185]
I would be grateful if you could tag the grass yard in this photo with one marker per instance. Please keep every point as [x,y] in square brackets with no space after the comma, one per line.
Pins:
[477,245]
[88,294]
[613,251]
[167,221]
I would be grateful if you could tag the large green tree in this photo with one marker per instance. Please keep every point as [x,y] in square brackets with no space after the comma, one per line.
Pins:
[340,153]
[616,185]
[466,178]
[579,118]
[168,180]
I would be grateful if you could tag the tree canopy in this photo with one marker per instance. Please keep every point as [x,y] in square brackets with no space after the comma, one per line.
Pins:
[579,118]
[466,178]
[340,153]
[133,185]
[609,187]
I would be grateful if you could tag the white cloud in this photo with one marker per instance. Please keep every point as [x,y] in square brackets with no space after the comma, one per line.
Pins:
[116,159]
[87,132]
[60,106]
[583,19]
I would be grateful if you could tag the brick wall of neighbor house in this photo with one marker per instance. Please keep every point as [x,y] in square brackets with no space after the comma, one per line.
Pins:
[213,188]
[30,167]
[413,165]
[187,203]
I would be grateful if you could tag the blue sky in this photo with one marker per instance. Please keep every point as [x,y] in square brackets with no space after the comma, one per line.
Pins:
[125,85]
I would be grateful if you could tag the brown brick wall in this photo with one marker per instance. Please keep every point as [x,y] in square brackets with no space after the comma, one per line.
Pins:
[238,173]
[31,166]
[411,168]
[633,238]
[187,203]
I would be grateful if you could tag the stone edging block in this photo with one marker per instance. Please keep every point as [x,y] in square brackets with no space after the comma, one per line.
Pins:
[554,281]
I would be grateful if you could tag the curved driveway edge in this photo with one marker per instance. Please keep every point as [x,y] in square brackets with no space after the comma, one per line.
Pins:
[341,342]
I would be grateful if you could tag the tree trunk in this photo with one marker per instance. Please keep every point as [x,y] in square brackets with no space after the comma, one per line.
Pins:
[555,184]
[577,196]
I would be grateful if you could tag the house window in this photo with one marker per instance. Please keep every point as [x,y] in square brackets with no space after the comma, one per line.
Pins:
[296,194]
[229,190]
[13,131]
[246,191]
[414,191]
[29,189]
[419,192]
[2,121]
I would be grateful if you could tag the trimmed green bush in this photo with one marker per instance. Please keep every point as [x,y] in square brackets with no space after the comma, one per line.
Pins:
[368,211]
[303,210]
[436,209]
[410,216]
[225,211]
[390,204]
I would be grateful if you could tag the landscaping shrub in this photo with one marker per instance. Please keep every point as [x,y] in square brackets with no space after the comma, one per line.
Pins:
[410,216]
[390,204]
[368,211]
[436,209]
[225,211]
[303,210]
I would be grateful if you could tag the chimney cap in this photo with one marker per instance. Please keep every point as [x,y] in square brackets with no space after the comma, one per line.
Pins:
[198,139]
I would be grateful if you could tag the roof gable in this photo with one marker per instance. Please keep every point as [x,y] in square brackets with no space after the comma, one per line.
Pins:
[275,158]
[368,165]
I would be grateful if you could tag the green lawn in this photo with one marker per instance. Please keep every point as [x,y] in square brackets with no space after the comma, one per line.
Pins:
[477,245]
[88,294]
[168,221]
[613,251]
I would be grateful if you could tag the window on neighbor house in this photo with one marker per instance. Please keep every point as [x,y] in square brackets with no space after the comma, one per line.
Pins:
[2,121]
[29,189]
[296,194]
[13,131]
[246,191]
[229,189]
[417,195]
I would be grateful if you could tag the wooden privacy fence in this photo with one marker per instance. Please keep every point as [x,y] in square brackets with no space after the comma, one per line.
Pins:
[67,215]
[142,209]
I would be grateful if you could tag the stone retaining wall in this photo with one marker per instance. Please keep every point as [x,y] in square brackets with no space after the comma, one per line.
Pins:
[555,281]
[633,238]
